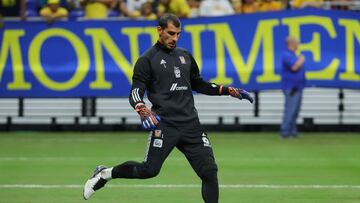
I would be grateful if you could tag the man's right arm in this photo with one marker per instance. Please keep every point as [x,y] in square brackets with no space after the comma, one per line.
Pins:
[140,80]
[293,62]
[298,64]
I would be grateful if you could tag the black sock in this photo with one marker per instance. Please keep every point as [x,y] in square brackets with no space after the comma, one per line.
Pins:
[128,169]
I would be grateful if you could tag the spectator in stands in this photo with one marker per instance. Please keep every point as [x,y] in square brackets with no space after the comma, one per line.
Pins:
[307,3]
[178,7]
[147,12]
[216,8]
[293,83]
[132,8]
[53,11]
[250,6]
[75,8]
[340,4]
[97,9]
[194,8]
[285,4]
[237,5]
[12,8]
[73,4]
[270,5]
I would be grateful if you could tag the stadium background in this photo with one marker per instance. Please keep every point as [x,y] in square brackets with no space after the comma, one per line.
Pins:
[320,166]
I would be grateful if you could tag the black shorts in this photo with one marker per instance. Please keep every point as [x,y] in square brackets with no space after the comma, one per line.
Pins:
[190,140]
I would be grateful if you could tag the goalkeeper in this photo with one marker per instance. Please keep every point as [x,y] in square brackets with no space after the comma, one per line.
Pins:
[169,75]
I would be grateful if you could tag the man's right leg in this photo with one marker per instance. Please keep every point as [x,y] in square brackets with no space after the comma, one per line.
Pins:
[286,119]
[297,105]
[161,143]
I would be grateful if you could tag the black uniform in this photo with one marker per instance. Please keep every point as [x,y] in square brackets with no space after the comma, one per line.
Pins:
[169,76]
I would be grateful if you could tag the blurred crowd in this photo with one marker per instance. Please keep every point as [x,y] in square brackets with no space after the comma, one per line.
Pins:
[149,9]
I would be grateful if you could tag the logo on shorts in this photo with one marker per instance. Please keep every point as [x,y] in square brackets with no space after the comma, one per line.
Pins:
[158,143]
[205,140]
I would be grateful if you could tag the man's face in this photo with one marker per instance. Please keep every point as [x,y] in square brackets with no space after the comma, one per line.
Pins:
[294,44]
[169,35]
[54,7]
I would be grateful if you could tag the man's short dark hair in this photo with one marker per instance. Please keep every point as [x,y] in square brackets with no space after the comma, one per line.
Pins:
[164,19]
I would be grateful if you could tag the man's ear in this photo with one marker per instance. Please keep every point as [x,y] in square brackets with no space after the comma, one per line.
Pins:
[159,29]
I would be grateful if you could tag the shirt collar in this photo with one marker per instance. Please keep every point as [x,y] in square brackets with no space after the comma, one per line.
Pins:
[163,47]
[290,51]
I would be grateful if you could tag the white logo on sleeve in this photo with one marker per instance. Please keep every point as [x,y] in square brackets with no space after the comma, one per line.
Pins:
[163,62]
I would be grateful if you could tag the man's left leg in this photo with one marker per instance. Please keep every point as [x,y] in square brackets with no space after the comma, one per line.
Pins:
[160,143]
[198,151]
[297,98]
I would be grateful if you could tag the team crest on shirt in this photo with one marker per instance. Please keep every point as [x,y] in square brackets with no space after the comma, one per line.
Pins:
[177,72]
[182,60]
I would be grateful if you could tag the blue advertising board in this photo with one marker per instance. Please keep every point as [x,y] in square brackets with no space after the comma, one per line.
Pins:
[96,58]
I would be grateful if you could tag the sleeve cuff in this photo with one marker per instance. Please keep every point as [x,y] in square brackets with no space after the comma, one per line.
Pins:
[223,90]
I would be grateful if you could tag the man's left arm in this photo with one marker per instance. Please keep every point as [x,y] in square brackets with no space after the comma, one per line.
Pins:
[199,85]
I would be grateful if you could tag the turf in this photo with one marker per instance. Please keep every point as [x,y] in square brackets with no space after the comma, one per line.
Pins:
[34,158]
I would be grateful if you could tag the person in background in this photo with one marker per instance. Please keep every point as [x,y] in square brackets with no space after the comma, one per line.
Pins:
[270,5]
[341,4]
[97,9]
[179,8]
[12,8]
[237,5]
[286,4]
[307,3]
[53,11]
[293,83]
[250,6]
[147,12]
[216,8]
[194,8]
[75,9]
[132,8]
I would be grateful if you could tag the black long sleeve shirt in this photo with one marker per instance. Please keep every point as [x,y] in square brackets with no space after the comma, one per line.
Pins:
[169,76]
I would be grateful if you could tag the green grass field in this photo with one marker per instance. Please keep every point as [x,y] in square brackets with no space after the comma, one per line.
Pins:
[253,168]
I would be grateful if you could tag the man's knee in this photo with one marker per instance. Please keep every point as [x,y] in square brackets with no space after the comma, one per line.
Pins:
[209,175]
[149,171]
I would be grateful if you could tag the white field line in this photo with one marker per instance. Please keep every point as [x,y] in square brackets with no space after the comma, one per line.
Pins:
[174,158]
[44,186]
